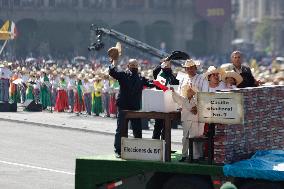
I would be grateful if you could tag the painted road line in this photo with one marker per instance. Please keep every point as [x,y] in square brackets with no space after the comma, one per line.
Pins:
[36,167]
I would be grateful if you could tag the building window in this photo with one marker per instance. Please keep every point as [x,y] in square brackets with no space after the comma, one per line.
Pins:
[86,3]
[27,3]
[97,3]
[245,10]
[75,3]
[17,3]
[131,4]
[51,3]
[5,3]
[255,10]
[40,3]
[267,7]
[157,4]
[108,4]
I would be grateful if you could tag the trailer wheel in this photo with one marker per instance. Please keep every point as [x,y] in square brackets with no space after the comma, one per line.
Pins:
[186,182]
[260,185]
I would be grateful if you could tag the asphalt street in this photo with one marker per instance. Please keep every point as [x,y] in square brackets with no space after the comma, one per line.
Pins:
[33,156]
[39,157]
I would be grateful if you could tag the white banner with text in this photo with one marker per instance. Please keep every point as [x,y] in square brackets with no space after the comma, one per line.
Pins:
[220,107]
[142,149]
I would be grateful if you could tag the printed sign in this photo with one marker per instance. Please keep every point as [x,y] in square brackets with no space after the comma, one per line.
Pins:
[142,149]
[216,12]
[223,107]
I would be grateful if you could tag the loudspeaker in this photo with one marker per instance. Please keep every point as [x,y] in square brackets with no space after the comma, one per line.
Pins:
[13,107]
[31,106]
[7,107]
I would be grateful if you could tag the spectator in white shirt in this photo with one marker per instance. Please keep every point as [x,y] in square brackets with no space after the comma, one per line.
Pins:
[36,87]
[53,79]
[71,86]
[25,78]
[106,95]
[5,74]
[87,91]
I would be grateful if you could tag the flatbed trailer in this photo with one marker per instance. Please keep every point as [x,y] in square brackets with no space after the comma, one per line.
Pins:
[98,171]
[108,172]
[263,116]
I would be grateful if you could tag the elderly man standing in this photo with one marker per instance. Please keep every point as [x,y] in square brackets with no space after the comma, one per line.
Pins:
[130,94]
[193,78]
[244,71]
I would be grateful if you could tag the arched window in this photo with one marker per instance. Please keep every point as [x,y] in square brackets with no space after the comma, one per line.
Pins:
[51,3]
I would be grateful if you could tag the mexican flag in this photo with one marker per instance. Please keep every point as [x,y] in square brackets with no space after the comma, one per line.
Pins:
[161,82]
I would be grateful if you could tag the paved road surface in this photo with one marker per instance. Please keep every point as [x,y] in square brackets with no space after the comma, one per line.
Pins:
[39,157]
[71,121]
[34,157]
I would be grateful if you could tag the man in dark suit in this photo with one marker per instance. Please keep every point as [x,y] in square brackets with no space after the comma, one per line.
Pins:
[165,70]
[129,97]
[244,71]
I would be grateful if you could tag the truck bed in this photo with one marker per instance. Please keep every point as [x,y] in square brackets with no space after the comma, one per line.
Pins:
[92,171]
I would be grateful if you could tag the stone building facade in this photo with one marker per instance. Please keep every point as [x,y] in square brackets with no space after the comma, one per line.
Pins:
[175,22]
[261,16]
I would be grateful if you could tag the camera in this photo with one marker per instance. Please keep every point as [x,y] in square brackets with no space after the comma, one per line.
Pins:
[96,46]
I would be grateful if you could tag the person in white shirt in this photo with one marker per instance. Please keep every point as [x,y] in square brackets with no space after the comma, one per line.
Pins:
[5,75]
[232,79]
[36,87]
[53,79]
[215,83]
[214,77]
[193,78]
[191,126]
[106,95]
[71,86]
[87,91]
[25,78]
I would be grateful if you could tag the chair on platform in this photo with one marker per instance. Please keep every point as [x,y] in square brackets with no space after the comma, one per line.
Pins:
[209,139]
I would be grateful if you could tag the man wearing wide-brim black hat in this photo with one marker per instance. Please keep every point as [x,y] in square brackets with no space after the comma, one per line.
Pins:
[163,70]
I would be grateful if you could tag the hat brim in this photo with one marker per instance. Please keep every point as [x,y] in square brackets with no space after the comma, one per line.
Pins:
[217,70]
[234,75]
[190,63]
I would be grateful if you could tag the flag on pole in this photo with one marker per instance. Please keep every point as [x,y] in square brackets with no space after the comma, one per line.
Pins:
[13,30]
[8,31]
[5,26]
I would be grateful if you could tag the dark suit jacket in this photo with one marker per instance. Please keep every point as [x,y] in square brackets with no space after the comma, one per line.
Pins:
[248,79]
[170,77]
[131,86]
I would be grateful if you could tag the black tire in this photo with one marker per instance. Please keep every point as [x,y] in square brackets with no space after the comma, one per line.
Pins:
[260,185]
[187,182]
